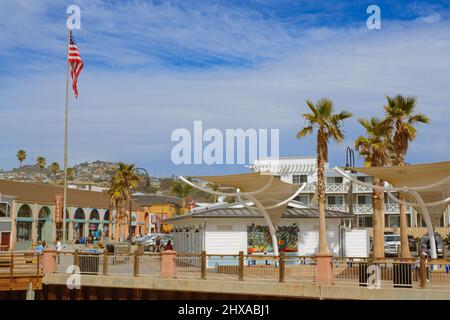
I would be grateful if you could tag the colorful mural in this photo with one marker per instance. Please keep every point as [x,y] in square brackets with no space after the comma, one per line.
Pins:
[259,241]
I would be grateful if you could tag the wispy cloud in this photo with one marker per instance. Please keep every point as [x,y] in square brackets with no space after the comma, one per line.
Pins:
[152,67]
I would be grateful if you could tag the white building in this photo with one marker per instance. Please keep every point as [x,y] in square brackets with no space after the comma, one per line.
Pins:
[228,230]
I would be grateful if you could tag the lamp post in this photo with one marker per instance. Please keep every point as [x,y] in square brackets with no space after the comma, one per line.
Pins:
[147,175]
[350,162]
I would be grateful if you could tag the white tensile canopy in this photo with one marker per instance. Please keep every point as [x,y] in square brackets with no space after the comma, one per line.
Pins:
[269,194]
[419,175]
[425,186]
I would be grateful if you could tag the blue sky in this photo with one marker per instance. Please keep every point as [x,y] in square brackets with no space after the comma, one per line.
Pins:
[154,66]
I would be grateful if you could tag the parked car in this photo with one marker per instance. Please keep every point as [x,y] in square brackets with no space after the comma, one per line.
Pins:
[425,244]
[143,239]
[164,238]
[391,244]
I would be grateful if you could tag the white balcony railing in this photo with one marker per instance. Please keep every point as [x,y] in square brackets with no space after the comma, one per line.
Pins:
[362,208]
[329,187]
[336,187]
[337,207]
[310,187]
[357,188]
[389,208]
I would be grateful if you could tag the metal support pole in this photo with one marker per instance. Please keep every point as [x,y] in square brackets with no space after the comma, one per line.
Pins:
[66,138]
[136,263]
[105,262]
[423,275]
[269,223]
[426,217]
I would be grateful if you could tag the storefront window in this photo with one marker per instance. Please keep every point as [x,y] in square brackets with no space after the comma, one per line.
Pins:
[24,231]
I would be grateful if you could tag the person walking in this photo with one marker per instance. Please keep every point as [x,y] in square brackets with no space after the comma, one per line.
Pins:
[58,249]
[39,248]
[169,245]
[157,244]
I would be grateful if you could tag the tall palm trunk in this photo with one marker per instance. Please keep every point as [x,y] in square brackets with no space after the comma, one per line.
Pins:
[404,243]
[323,247]
[378,211]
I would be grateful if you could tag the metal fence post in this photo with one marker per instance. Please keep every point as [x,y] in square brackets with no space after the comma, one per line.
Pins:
[241,266]
[423,272]
[105,262]
[282,263]
[38,266]
[11,270]
[75,258]
[136,263]
[203,265]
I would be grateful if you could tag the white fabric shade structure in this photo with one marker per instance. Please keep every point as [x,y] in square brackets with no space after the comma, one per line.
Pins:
[425,186]
[269,194]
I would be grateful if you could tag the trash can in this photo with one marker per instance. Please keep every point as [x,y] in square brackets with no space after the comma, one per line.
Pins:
[362,273]
[89,261]
[402,275]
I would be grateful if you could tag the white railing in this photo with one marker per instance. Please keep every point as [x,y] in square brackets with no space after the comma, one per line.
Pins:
[337,207]
[362,208]
[395,208]
[388,208]
[310,187]
[329,187]
[357,188]
[337,187]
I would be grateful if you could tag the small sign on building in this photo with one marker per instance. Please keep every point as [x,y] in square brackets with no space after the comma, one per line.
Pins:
[58,208]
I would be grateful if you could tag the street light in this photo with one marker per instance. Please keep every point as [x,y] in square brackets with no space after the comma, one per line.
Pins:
[147,176]
[350,163]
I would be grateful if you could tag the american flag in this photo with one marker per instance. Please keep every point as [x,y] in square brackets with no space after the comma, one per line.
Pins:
[76,63]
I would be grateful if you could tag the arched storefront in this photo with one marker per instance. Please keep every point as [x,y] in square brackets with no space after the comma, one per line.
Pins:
[44,225]
[79,221]
[106,225]
[24,227]
[94,223]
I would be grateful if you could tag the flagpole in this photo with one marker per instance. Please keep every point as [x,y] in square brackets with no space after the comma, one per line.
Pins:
[66,138]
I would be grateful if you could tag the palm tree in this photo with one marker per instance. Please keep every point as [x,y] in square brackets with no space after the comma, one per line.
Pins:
[214,187]
[402,118]
[41,162]
[328,125]
[54,168]
[70,173]
[125,179]
[116,202]
[21,156]
[181,189]
[376,149]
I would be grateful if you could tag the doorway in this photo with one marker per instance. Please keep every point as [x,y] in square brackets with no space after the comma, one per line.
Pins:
[5,241]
